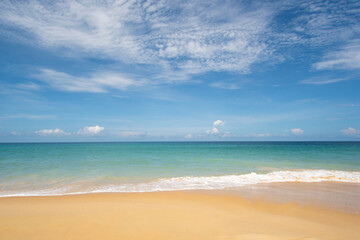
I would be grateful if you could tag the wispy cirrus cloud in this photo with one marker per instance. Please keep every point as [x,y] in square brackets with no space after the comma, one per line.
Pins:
[27,116]
[317,23]
[347,57]
[28,86]
[95,82]
[322,80]
[180,38]
[90,28]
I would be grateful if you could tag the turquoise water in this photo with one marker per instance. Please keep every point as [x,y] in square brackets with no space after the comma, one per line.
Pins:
[59,168]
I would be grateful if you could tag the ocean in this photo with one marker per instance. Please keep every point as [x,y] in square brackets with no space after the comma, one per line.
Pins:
[37,169]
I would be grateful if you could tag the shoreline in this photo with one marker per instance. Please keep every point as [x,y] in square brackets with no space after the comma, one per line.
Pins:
[214,182]
[170,215]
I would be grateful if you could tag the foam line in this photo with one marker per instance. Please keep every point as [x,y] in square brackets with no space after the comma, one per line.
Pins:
[207,182]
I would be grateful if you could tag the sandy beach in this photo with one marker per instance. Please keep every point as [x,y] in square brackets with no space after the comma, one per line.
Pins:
[170,215]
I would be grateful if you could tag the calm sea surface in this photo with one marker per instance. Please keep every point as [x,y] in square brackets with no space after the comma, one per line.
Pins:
[66,168]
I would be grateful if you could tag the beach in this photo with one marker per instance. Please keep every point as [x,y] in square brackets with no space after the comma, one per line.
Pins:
[171,215]
[203,190]
[179,120]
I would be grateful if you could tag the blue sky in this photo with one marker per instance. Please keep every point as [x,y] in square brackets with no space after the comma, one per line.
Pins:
[179,70]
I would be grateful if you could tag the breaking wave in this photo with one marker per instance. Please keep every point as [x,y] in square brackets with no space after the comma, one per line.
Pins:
[201,183]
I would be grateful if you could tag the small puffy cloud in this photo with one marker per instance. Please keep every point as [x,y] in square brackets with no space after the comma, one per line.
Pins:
[297,131]
[188,136]
[215,128]
[51,132]
[15,133]
[90,131]
[218,123]
[212,131]
[351,132]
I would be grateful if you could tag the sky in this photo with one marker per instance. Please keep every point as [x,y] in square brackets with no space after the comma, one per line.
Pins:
[77,71]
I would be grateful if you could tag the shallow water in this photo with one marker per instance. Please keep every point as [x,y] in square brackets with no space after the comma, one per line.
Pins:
[65,168]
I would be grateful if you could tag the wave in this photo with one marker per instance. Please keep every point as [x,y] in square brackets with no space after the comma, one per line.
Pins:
[203,183]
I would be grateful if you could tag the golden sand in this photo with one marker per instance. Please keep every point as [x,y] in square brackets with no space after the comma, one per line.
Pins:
[169,215]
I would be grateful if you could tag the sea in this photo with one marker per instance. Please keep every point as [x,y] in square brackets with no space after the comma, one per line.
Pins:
[46,169]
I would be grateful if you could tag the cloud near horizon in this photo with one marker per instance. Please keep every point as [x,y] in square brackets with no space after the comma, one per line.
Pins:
[51,132]
[162,69]
[351,132]
[297,131]
[90,131]
[215,129]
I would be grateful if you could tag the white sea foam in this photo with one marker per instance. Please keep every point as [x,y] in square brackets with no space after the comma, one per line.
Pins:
[210,182]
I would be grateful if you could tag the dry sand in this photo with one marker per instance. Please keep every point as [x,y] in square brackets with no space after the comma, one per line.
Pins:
[169,215]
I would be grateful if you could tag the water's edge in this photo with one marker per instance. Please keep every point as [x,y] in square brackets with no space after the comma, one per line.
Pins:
[197,183]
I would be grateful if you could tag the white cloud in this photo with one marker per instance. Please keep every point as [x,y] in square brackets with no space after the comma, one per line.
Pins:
[214,130]
[218,123]
[348,57]
[320,23]
[15,133]
[96,82]
[202,36]
[90,131]
[52,132]
[297,131]
[85,27]
[322,80]
[188,136]
[180,38]
[351,132]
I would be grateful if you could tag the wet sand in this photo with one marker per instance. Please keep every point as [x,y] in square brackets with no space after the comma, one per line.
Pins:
[332,195]
[170,215]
